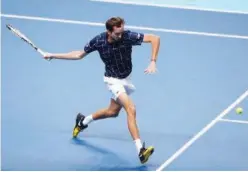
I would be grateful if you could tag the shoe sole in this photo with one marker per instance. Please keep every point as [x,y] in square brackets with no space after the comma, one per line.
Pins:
[147,154]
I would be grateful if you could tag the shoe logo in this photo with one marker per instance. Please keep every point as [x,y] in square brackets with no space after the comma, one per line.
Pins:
[79,123]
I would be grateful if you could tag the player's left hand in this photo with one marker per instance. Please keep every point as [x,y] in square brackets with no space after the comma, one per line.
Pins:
[151,68]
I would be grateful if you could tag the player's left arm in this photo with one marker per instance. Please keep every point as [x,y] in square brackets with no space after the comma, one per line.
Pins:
[155,41]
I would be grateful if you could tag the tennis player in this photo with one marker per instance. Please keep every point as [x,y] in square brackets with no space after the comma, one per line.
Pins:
[115,49]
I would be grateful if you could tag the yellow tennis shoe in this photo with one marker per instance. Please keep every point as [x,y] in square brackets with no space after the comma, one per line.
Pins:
[79,126]
[145,153]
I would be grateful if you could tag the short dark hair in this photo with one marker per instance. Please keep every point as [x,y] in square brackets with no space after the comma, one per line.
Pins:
[114,21]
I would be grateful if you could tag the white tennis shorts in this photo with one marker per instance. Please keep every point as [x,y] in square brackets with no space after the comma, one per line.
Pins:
[117,86]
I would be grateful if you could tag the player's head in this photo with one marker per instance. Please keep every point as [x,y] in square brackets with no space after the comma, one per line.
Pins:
[115,27]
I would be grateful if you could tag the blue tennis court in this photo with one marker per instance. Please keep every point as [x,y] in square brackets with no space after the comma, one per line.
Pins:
[186,110]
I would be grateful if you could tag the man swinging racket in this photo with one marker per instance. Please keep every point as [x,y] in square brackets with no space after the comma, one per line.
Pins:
[115,49]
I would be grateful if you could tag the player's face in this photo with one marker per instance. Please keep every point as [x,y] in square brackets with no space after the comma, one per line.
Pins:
[117,32]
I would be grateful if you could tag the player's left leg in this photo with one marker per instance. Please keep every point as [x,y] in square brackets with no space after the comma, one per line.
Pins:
[128,105]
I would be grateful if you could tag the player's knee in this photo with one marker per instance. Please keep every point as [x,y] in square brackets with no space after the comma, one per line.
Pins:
[112,113]
[131,110]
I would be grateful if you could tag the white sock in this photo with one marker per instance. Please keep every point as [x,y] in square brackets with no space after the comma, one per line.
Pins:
[87,120]
[138,144]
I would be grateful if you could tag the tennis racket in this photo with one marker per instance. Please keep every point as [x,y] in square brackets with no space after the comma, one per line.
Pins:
[25,39]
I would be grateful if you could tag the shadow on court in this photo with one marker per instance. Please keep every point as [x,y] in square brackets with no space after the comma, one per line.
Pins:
[110,160]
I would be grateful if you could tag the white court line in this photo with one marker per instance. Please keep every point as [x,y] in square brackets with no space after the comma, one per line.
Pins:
[1,94]
[171,6]
[127,26]
[203,131]
[234,121]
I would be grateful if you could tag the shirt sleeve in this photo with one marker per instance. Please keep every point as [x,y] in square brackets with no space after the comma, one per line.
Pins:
[135,38]
[91,45]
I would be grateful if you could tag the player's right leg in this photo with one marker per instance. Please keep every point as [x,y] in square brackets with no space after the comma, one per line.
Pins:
[109,112]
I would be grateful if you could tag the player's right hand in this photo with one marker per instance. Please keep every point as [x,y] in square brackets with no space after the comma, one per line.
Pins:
[48,56]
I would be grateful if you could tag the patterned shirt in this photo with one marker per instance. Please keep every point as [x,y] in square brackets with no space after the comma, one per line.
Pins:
[115,56]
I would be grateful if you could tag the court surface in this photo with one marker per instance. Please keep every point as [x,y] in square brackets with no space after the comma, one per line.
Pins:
[186,110]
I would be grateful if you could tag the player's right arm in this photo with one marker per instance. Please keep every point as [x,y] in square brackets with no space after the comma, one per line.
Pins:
[75,55]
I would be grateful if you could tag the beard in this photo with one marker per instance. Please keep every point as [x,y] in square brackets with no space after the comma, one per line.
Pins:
[116,38]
